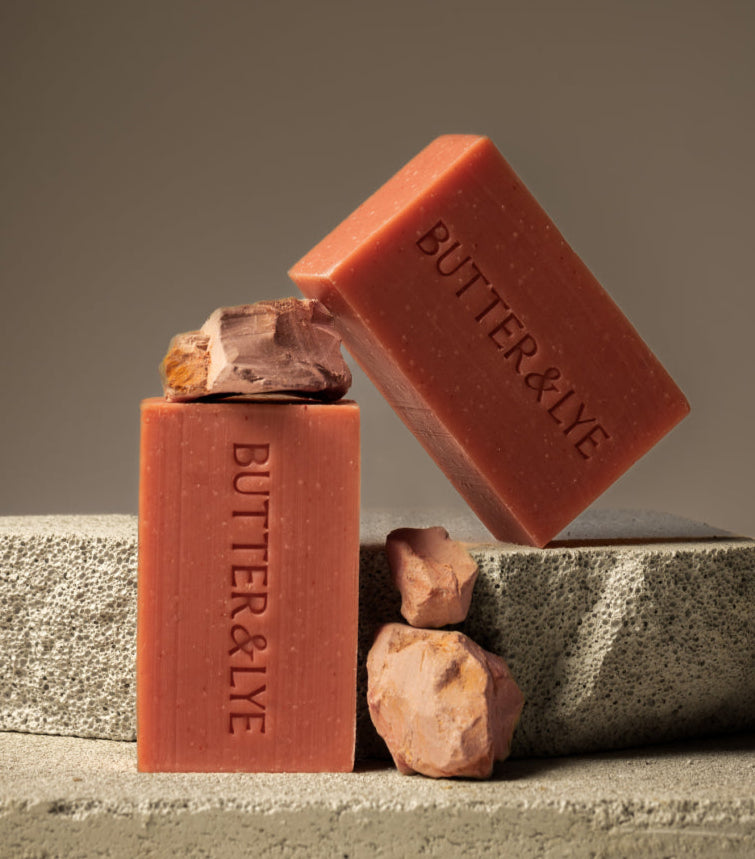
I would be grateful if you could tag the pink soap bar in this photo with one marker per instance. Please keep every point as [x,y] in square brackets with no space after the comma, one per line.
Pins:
[248,587]
[491,339]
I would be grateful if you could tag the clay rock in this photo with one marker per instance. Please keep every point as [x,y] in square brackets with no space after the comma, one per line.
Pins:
[434,574]
[286,346]
[444,706]
[184,368]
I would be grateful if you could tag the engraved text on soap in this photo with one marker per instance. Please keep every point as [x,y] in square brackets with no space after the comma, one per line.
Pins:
[509,335]
[248,590]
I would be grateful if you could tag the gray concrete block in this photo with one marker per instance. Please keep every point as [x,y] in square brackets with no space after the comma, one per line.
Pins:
[612,644]
[67,625]
[63,797]
[633,628]
[622,646]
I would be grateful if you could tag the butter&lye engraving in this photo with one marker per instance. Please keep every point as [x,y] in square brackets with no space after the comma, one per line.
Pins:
[510,336]
[248,594]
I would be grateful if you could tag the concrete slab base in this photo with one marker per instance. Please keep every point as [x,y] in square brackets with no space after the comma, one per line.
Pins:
[67,797]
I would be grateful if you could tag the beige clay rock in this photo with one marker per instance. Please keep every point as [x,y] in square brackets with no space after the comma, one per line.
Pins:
[434,574]
[286,346]
[444,706]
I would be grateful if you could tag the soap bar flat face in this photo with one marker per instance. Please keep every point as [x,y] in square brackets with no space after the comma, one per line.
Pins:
[491,339]
[248,586]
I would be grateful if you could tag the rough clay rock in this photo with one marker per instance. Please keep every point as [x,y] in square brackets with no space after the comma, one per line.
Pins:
[434,574]
[443,705]
[286,346]
[184,368]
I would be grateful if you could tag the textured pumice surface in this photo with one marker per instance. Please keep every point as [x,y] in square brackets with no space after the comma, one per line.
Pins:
[68,625]
[62,797]
[613,642]
[612,645]
[621,645]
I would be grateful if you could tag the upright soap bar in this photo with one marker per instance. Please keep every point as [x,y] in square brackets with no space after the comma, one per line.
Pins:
[491,339]
[247,586]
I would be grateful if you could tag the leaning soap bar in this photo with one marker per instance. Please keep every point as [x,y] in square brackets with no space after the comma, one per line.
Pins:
[491,339]
[247,586]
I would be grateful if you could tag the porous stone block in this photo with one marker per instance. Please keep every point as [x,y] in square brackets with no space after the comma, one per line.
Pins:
[617,635]
[633,628]
[622,645]
[68,625]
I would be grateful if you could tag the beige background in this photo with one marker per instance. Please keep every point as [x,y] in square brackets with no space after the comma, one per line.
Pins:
[159,159]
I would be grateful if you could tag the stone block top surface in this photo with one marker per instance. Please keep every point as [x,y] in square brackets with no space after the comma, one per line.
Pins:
[107,526]
[594,525]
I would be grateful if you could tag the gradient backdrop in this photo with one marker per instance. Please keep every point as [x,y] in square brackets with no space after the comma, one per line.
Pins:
[159,159]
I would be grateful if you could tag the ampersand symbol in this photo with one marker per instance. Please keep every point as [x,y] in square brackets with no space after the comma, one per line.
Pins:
[539,381]
[245,641]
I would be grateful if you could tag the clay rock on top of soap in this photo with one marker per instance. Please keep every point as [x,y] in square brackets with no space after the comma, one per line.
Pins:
[285,346]
[435,575]
[444,706]
[184,367]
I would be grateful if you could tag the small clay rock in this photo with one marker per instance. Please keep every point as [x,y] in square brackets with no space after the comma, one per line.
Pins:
[285,346]
[435,575]
[184,368]
[444,706]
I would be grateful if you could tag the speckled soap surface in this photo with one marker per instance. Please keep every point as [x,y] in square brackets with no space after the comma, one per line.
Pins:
[617,635]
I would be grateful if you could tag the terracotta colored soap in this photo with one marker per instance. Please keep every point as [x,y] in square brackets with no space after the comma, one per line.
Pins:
[491,339]
[248,586]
